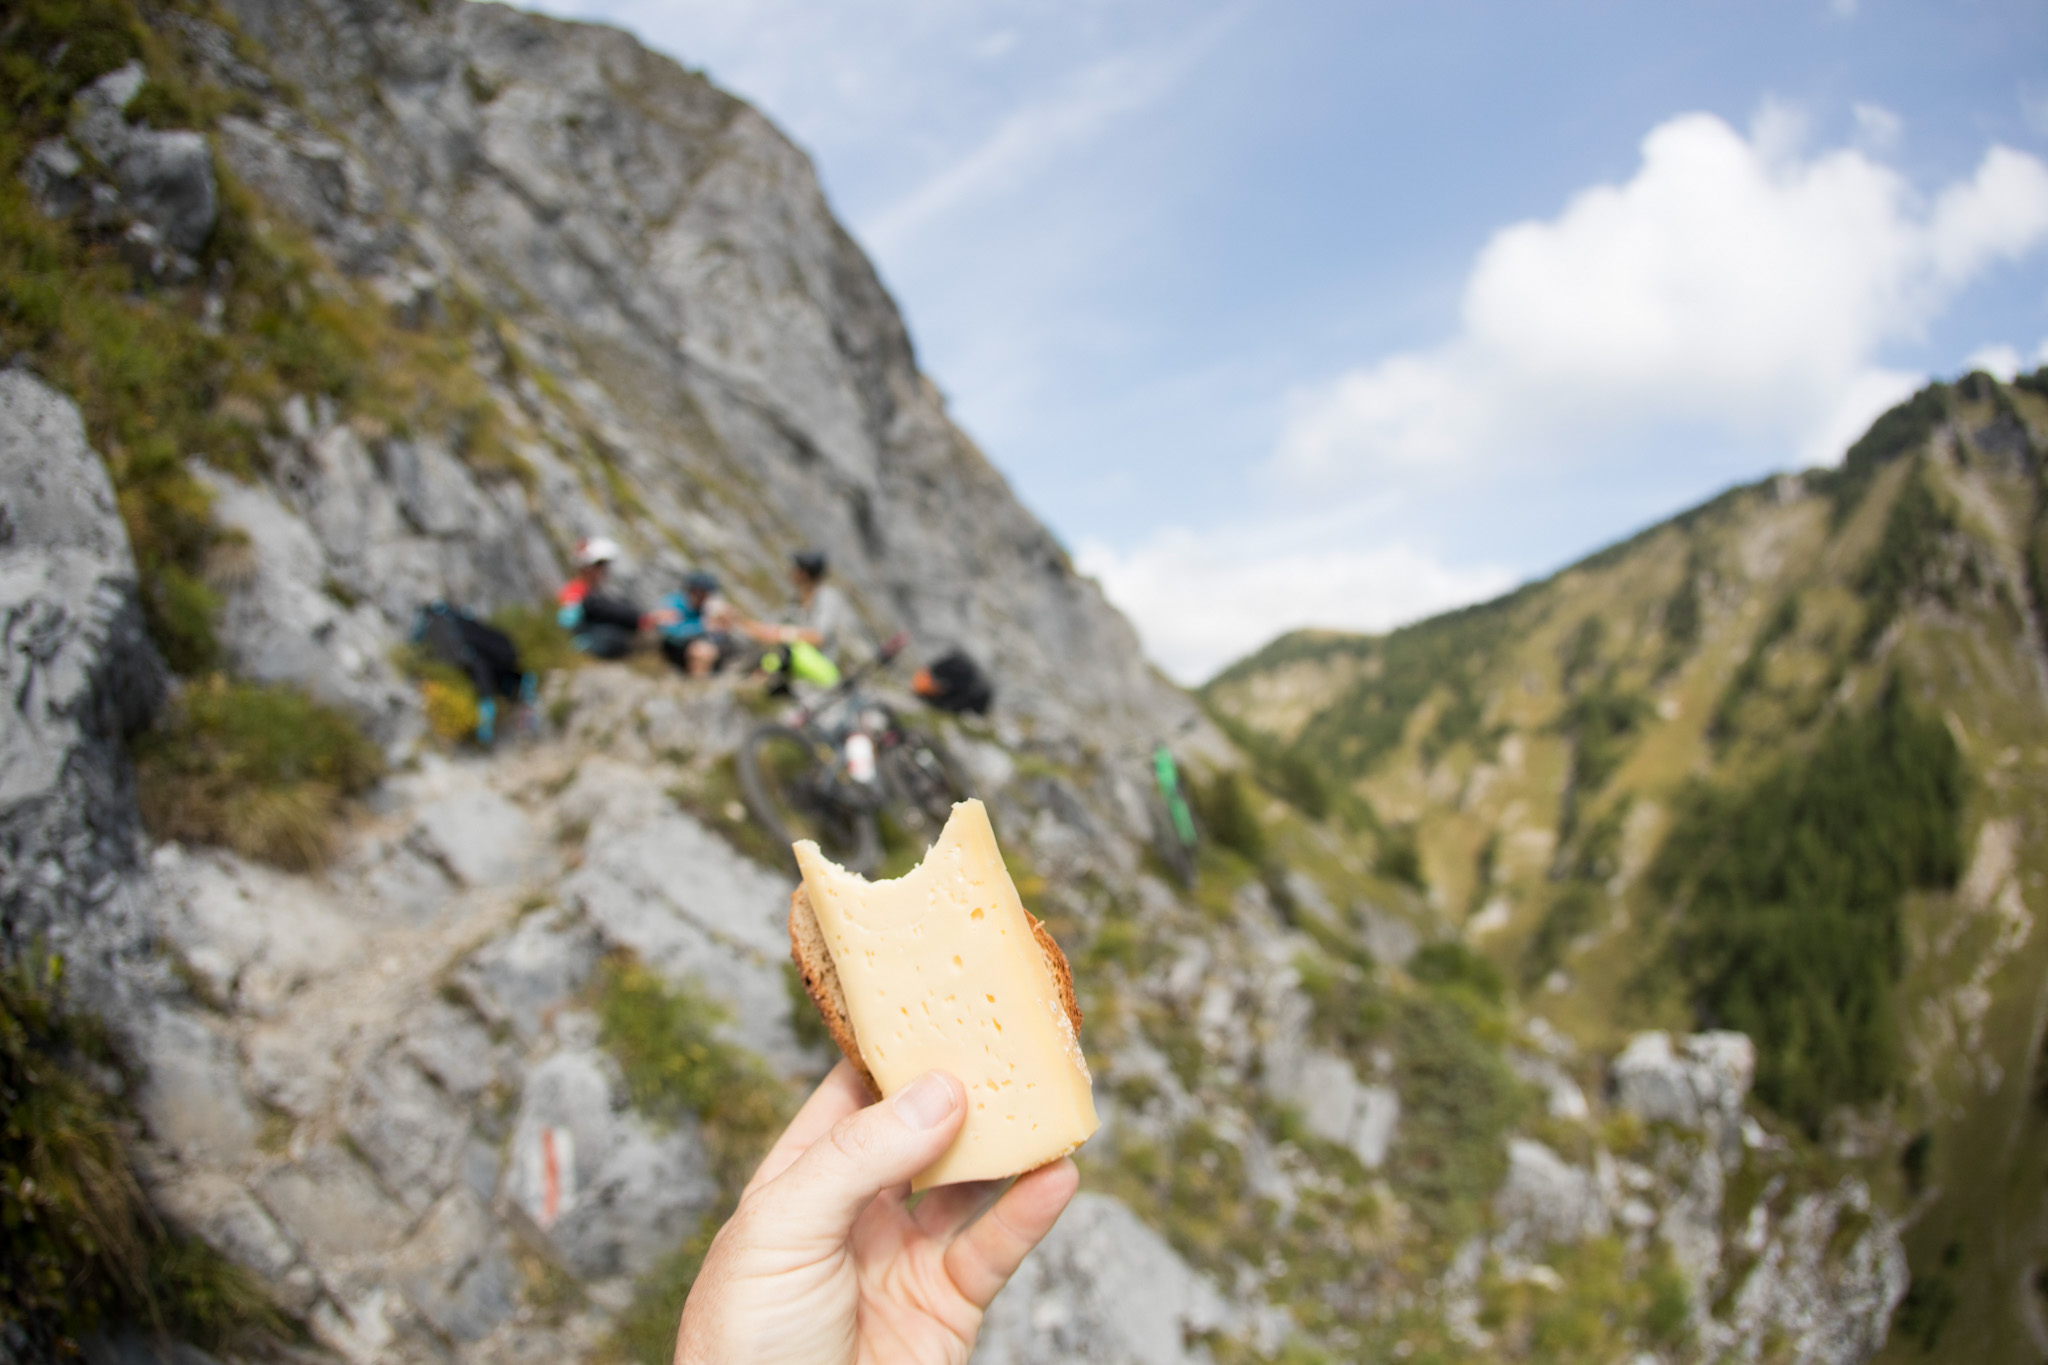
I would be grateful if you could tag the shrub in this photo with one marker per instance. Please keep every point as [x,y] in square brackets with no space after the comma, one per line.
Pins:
[1601,722]
[1897,432]
[83,1248]
[1458,1101]
[1791,931]
[544,646]
[1749,676]
[451,708]
[1451,964]
[671,1047]
[1346,1010]
[1906,557]
[1227,814]
[1575,910]
[1683,615]
[1400,673]
[1581,650]
[1399,857]
[262,769]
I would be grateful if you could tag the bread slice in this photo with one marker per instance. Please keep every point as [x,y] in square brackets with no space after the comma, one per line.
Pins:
[821,979]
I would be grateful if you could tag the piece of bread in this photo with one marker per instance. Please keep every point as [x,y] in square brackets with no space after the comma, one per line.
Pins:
[821,979]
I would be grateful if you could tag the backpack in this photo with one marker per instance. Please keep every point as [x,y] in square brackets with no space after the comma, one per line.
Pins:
[954,682]
[486,654]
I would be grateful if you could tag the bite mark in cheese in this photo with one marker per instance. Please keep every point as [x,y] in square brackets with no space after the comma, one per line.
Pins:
[940,969]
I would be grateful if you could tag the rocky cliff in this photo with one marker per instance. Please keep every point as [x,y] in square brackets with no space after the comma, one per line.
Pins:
[369,302]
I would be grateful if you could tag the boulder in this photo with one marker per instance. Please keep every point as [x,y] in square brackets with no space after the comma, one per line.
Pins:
[1337,1107]
[79,674]
[619,1193]
[1700,1083]
[332,1205]
[1102,1289]
[167,181]
[517,981]
[250,935]
[1546,1199]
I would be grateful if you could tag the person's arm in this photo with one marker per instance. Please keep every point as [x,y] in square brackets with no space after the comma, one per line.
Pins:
[824,1261]
[768,633]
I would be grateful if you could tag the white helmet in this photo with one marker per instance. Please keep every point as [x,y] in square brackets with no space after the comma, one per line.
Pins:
[596,550]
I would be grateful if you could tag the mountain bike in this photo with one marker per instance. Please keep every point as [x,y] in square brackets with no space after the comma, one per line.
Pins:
[1174,836]
[832,767]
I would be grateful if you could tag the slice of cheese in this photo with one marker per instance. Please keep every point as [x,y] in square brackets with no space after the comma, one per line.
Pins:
[940,969]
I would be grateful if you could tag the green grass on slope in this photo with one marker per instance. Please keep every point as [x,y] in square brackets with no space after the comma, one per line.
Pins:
[83,1250]
[262,769]
[678,1067]
[1907,556]
[158,379]
[1792,891]
[1898,431]
[1369,720]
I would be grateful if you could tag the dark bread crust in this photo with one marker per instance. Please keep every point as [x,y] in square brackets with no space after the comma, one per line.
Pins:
[814,964]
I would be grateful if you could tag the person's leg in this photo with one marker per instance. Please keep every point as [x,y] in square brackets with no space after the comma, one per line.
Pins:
[605,642]
[677,652]
[701,657]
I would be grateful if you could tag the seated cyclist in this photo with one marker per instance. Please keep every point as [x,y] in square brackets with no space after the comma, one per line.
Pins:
[602,625]
[694,626]
[821,633]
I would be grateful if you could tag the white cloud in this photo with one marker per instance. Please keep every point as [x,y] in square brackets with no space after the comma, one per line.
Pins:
[1733,282]
[1200,601]
[1998,360]
[1877,126]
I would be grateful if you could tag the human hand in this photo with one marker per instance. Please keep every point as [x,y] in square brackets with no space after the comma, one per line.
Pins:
[825,1263]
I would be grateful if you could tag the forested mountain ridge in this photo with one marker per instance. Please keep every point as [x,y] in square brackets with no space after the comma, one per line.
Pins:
[1777,764]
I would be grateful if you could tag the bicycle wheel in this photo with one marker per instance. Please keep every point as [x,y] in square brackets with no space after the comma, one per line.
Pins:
[923,780]
[791,784]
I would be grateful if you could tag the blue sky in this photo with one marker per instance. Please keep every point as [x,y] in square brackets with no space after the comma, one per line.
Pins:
[1338,314]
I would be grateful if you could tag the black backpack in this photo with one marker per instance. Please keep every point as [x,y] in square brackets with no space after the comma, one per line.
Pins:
[484,652]
[959,685]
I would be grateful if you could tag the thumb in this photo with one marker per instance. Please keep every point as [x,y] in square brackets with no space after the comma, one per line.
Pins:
[879,1147]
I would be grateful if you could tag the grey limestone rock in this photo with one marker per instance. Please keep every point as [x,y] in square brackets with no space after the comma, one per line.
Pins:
[1336,1106]
[79,674]
[165,179]
[623,1193]
[517,981]
[477,835]
[1546,1199]
[457,1269]
[1816,1300]
[252,935]
[656,881]
[332,1205]
[191,1096]
[754,383]
[281,624]
[1103,1289]
[409,1131]
[1698,1084]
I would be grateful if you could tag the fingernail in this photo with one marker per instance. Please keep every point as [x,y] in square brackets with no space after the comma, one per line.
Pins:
[925,1102]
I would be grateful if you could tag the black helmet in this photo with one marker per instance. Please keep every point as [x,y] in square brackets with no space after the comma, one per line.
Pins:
[700,580]
[811,562]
